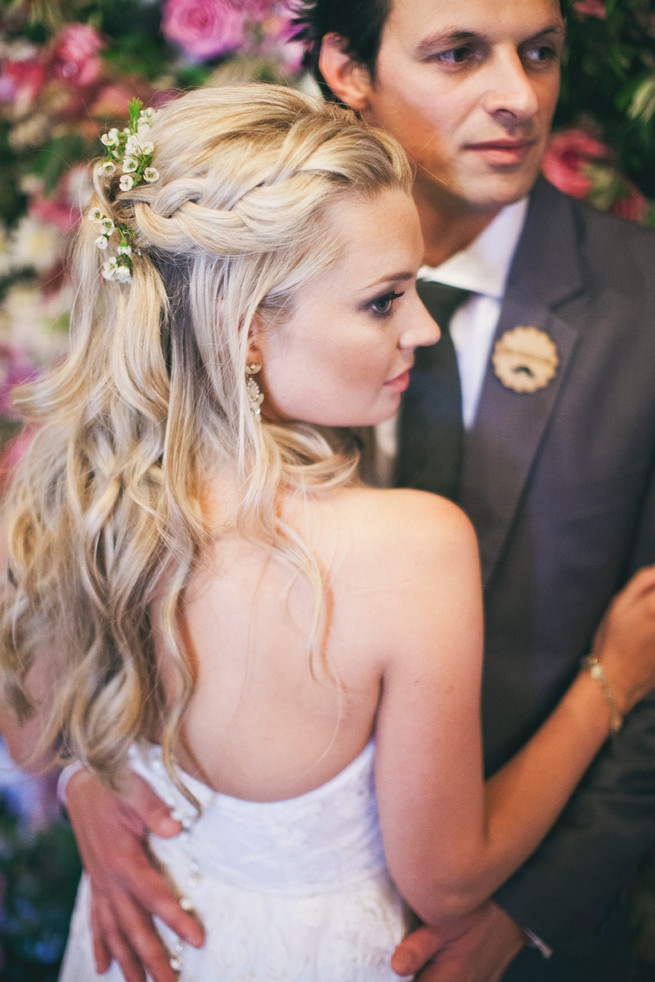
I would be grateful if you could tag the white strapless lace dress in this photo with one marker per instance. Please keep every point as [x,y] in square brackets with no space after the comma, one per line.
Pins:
[288,891]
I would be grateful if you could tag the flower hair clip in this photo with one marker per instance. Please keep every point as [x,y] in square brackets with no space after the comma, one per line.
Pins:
[129,150]
[119,267]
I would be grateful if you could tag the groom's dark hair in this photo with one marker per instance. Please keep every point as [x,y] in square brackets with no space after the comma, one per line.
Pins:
[358,22]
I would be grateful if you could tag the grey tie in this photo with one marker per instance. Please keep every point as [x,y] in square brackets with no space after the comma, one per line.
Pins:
[431,431]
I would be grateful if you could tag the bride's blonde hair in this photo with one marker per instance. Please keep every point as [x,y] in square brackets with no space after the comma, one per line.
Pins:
[105,510]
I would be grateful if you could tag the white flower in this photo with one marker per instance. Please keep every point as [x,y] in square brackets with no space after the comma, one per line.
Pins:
[34,321]
[132,144]
[34,243]
[126,182]
[106,225]
[114,269]
[5,265]
[31,132]
[31,184]
[151,174]
[124,250]
[101,242]
[147,148]
[130,164]
[108,169]
[110,139]
[95,215]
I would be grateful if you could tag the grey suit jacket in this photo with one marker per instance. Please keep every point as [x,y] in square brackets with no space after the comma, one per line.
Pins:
[560,487]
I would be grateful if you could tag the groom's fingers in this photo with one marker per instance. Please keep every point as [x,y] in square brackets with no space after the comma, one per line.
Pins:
[415,951]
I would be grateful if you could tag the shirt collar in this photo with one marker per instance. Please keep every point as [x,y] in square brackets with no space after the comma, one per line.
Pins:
[483,266]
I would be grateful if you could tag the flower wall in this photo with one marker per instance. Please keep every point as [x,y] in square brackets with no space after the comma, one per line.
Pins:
[68,69]
[603,149]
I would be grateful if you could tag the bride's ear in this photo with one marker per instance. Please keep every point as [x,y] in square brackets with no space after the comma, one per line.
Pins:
[348,79]
[256,343]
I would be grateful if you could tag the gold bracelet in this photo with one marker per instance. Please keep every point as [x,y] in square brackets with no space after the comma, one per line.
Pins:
[591,664]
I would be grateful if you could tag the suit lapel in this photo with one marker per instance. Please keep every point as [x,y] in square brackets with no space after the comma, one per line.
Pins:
[504,443]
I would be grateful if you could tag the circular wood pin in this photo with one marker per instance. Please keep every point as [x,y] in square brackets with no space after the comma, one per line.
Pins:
[525,359]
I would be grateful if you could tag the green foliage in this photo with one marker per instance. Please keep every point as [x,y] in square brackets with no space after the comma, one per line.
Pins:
[39,871]
[608,84]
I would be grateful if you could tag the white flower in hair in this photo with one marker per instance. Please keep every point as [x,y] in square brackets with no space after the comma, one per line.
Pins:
[114,270]
[133,153]
[108,269]
[111,138]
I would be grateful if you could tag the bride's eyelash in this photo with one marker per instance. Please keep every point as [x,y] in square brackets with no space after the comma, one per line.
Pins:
[383,306]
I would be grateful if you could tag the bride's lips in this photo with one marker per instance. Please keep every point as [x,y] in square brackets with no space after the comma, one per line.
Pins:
[400,382]
[503,151]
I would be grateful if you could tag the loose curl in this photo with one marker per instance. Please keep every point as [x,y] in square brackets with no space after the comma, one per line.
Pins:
[106,509]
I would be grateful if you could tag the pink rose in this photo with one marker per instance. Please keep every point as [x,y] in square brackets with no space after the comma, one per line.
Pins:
[11,454]
[277,42]
[14,369]
[21,81]
[204,28]
[64,209]
[565,161]
[631,205]
[591,8]
[258,9]
[74,58]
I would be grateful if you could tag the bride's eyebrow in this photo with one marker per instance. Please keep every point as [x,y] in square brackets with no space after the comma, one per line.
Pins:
[389,278]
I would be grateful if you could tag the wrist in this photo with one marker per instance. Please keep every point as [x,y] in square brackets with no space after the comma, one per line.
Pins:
[615,705]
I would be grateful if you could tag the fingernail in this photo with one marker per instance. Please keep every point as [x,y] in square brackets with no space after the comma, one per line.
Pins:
[167,825]
[400,964]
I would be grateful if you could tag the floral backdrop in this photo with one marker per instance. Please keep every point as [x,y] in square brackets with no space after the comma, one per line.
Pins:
[67,71]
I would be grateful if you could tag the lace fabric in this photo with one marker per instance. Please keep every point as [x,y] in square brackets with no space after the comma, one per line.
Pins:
[287,890]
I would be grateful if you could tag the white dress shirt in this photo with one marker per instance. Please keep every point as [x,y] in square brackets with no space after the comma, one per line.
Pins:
[483,268]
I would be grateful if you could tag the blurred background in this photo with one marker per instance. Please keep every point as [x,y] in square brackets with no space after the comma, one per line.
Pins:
[67,71]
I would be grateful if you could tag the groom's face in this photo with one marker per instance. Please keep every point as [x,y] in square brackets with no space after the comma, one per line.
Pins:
[469,88]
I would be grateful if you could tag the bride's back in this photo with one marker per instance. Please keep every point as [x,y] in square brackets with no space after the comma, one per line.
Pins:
[263,722]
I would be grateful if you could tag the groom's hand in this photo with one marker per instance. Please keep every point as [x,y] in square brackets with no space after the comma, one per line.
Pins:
[478,948]
[127,891]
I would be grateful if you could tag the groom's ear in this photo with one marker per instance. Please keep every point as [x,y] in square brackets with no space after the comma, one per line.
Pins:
[349,79]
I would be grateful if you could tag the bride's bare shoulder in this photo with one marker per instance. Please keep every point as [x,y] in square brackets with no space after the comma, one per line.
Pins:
[406,562]
[402,525]
[403,509]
